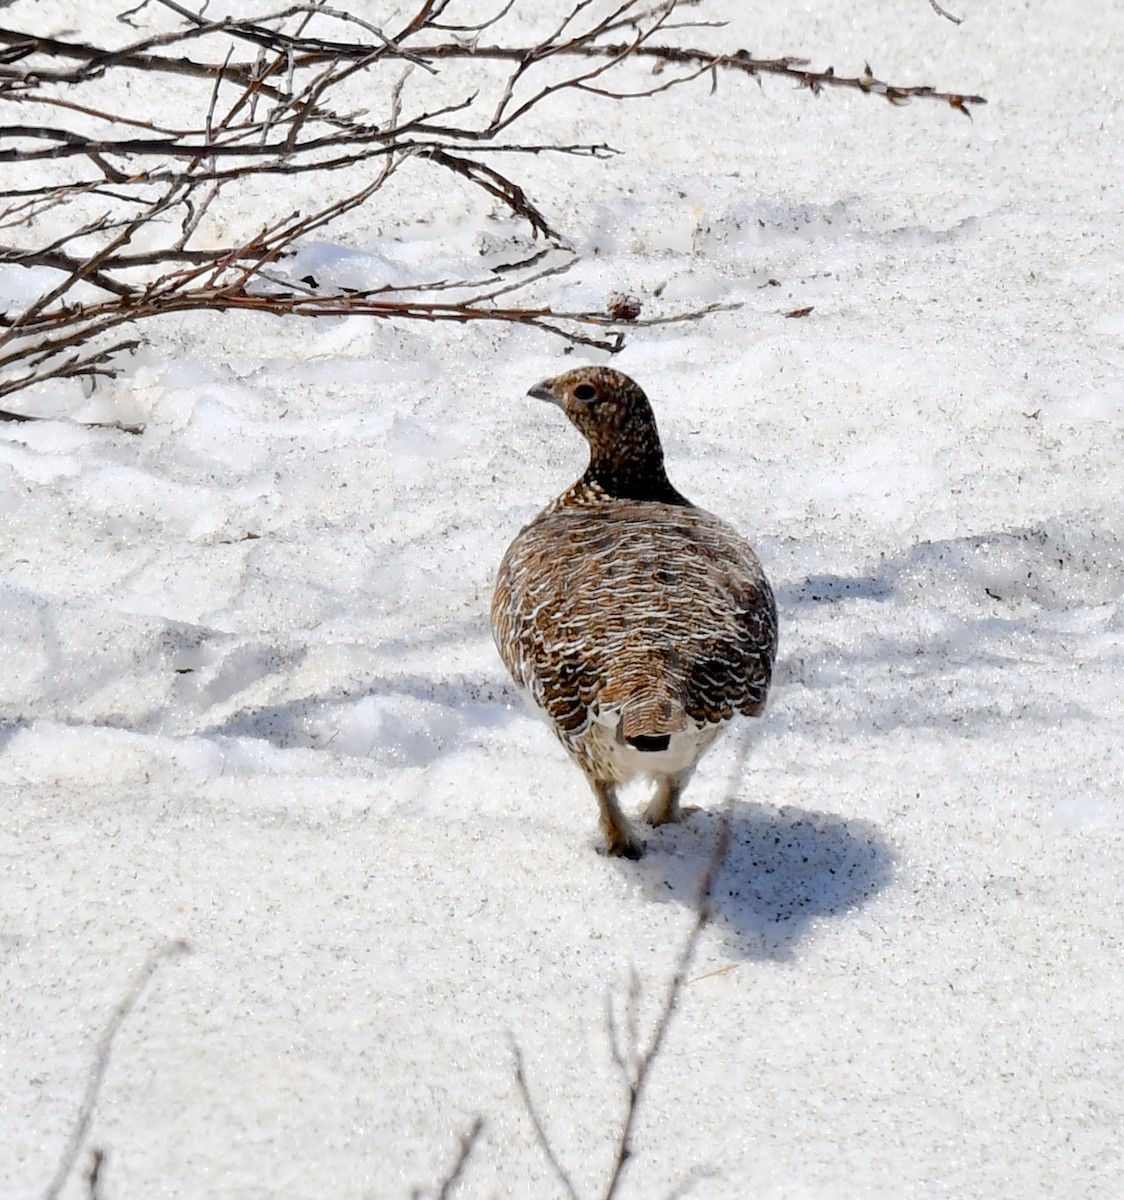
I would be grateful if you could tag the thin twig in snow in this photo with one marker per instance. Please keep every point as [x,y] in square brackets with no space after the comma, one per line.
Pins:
[467,1144]
[633,1063]
[101,1065]
[943,12]
[541,1136]
[646,1059]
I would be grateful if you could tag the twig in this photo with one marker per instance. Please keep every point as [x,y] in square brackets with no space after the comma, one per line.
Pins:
[943,12]
[93,1176]
[427,56]
[633,1064]
[541,1136]
[468,1142]
[101,1064]
[271,104]
[645,1060]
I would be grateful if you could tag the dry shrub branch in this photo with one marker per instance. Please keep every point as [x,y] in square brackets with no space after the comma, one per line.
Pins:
[634,1057]
[98,1068]
[129,207]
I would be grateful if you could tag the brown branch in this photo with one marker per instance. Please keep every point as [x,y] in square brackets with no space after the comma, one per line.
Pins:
[60,330]
[314,51]
[494,183]
[79,366]
[63,262]
[279,113]
[740,61]
[84,270]
[53,333]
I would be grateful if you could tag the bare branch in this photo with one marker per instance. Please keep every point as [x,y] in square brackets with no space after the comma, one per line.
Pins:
[468,1142]
[633,1062]
[647,1058]
[93,1176]
[541,1135]
[271,103]
[101,1064]
[63,262]
[943,12]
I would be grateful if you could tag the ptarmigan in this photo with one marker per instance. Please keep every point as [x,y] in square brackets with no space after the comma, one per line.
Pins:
[638,623]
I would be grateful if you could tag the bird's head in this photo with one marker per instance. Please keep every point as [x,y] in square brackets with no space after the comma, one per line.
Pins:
[605,405]
[613,414]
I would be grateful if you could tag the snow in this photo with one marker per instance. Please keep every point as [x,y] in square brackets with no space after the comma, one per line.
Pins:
[250,700]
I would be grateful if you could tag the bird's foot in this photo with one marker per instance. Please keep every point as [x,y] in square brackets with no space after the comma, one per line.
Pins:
[620,839]
[656,814]
[664,807]
[622,844]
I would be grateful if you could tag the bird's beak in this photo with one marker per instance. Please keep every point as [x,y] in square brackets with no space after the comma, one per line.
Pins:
[543,391]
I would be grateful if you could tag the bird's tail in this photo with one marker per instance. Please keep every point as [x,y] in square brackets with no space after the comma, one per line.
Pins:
[650,716]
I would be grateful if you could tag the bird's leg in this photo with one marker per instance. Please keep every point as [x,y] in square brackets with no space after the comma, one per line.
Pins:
[664,806]
[620,841]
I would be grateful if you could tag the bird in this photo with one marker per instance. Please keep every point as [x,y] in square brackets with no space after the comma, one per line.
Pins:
[636,622]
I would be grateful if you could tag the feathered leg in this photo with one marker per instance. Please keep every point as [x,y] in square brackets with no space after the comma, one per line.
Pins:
[664,806]
[620,840]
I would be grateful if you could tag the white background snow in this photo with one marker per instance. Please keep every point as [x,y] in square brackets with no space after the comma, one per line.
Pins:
[298,751]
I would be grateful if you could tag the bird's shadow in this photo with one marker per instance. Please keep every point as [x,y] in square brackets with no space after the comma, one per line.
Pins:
[785,868]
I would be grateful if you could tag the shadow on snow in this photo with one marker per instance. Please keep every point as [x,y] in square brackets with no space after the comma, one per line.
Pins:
[786,868]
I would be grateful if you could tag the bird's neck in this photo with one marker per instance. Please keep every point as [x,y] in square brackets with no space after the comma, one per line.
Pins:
[625,463]
[631,478]
[611,475]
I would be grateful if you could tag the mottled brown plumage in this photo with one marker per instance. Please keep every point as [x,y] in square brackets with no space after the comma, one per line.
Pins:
[637,623]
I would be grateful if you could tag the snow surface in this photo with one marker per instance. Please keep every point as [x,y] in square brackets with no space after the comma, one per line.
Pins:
[250,699]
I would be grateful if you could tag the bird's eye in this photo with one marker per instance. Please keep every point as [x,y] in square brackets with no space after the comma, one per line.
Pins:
[585,391]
